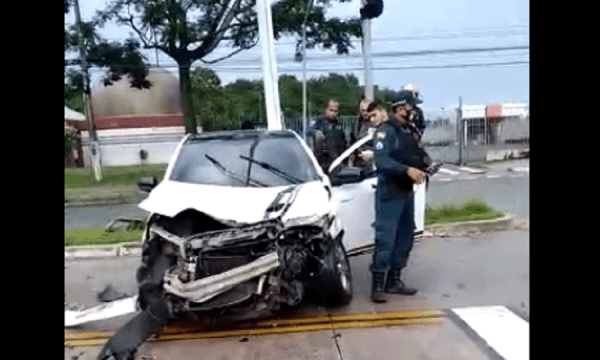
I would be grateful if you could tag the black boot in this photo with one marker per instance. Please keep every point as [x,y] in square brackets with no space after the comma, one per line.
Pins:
[396,286]
[377,294]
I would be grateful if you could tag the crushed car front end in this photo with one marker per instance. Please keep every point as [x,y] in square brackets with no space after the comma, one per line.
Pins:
[244,271]
[241,225]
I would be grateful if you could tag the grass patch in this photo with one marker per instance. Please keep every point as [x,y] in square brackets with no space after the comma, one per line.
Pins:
[112,176]
[474,209]
[469,211]
[97,236]
[118,184]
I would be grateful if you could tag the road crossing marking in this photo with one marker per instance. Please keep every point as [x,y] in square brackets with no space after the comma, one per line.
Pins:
[506,333]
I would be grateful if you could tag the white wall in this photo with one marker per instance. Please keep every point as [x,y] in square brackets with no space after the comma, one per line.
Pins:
[121,147]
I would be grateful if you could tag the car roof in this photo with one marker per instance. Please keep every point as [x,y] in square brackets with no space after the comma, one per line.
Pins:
[243,134]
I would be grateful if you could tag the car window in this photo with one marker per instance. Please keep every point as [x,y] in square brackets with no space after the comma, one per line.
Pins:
[225,161]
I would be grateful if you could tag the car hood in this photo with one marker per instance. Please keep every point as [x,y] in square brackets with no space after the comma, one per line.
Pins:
[240,204]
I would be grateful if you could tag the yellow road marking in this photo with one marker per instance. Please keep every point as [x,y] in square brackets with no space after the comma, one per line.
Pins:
[274,326]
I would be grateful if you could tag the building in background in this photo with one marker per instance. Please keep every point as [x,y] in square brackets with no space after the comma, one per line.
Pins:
[493,124]
[134,126]
[74,123]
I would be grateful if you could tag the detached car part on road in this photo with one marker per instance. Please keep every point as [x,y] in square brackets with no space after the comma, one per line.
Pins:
[242,223]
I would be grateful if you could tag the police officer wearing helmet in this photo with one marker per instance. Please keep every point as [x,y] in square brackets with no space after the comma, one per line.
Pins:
[417,114]
[401,162]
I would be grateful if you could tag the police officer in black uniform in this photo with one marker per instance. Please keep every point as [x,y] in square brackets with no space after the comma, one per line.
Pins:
[416,115]
[401,161]
[328,136]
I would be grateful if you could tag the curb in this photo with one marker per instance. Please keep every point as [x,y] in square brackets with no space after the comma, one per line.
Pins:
[103,251]
[103,202]
[506,222]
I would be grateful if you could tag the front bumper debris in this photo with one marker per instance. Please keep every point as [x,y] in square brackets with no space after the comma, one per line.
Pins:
[206,288]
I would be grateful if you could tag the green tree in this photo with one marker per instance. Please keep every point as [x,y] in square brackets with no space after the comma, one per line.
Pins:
[248,100]
[119,59]
[190,30]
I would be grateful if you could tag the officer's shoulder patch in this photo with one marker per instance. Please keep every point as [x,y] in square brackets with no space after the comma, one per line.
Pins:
[379,145]
[380,135]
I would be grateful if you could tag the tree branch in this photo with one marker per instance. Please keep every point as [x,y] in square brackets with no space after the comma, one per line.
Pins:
[211,43]
[231,54]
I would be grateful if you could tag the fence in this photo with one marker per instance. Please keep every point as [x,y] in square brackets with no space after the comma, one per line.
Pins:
[447,141]
[441,139]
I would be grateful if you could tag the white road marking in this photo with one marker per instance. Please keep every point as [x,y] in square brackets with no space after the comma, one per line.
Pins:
[101,312]
[503,331]
[471,170]
[492,176]
[448,171]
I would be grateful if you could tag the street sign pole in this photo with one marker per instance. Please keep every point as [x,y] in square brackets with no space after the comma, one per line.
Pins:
[87,98]
[269,63]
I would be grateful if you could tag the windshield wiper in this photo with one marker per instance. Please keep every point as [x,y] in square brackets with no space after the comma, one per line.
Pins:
[230,173]
[274,170]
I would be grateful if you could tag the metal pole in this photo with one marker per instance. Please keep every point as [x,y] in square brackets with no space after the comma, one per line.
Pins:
[265,29]
[87,97]
[308,9]
[366,26]
[304,82]
[461,125]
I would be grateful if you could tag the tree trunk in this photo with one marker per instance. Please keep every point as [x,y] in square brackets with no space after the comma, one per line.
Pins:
[186,98]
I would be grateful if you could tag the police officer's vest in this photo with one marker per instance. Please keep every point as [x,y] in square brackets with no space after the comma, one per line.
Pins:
[411,153]
[334,144]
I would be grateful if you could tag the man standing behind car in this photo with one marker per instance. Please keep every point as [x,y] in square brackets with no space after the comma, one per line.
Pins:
[376,114]
[400,162]
[328,137]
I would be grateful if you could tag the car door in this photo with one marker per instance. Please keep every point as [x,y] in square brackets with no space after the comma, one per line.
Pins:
[355,199]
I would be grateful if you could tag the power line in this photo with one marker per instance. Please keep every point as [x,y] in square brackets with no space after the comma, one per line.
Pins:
[397,54]
[340,69]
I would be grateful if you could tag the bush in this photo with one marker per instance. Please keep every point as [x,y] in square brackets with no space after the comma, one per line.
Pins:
[473,209]
[69,138]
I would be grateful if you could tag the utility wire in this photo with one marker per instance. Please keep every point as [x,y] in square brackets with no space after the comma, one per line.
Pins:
[397,54]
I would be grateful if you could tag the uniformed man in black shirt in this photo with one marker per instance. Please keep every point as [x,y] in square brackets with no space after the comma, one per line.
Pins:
[328,136]
[416,115]
[401,162]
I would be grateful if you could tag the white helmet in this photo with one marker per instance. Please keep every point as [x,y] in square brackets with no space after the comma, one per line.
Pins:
[413,89]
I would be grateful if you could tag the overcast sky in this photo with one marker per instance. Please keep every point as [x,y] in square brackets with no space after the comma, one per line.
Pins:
[400,35]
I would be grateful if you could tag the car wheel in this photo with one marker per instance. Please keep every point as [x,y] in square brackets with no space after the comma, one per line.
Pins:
[334,284]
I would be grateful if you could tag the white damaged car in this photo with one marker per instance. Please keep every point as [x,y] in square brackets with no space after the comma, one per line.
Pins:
[242,223]
[244,219]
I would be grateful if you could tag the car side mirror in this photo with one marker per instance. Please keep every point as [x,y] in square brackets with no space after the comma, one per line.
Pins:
[146,184]
[347,175]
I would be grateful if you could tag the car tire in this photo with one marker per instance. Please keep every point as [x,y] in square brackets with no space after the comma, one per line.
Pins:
[334,283]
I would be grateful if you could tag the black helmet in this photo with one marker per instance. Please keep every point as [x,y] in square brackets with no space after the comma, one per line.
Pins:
[406,97]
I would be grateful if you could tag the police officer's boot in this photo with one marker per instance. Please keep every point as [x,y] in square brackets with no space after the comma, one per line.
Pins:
[396,286]
[377,289]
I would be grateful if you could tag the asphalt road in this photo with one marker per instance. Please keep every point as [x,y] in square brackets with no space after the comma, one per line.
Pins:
[479,270]
[450,272]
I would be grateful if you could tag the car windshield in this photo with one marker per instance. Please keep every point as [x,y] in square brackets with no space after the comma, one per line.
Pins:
[244,159]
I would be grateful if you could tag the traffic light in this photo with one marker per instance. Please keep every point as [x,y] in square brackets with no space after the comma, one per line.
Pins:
[371,10]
